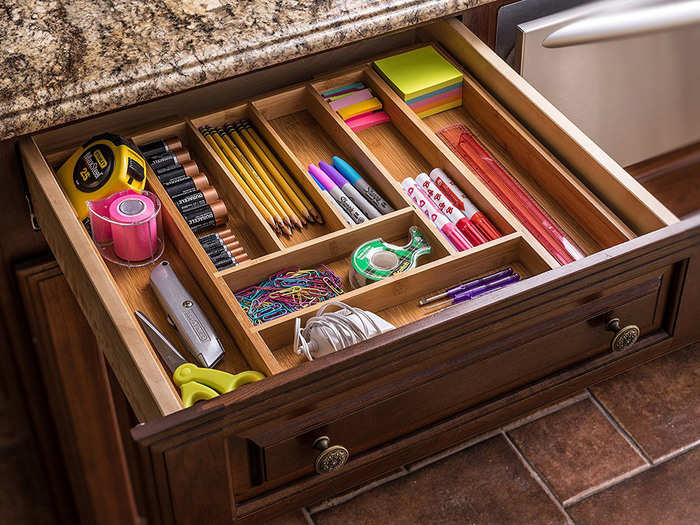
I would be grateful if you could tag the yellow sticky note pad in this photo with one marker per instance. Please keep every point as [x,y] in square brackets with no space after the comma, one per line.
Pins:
[418,72]
[365,106]
[438,109]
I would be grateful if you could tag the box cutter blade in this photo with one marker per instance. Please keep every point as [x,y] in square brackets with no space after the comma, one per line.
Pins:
[167,352]
[186,316]
[196,383]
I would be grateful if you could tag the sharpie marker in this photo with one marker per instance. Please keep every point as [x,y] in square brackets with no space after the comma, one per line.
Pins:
[349,190]
[360,184]
[445,205]
[347,217]
[449,230]
[459,199]
[342,199]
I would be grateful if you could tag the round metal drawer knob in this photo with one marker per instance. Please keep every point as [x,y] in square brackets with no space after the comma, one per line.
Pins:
[331,458]
[624,336]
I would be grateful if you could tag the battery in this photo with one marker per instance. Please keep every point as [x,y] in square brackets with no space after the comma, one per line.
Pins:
[186,169]
[207,216]
[196,200]
[169,160]
[223,257]
[153,149]
[191,185]
[226,264]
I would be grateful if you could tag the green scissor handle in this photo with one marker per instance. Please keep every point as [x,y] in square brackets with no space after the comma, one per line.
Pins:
[198,383]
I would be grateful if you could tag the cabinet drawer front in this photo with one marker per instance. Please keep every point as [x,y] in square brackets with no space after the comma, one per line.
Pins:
[528,350]
[259,443]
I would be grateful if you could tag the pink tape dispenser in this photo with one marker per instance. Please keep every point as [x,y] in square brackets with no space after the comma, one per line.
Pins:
[126,227]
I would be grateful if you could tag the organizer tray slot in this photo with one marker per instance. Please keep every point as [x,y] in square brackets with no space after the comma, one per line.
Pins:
[312,229]
[396,299]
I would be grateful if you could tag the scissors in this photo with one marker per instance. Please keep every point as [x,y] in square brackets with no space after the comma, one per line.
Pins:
[196,383]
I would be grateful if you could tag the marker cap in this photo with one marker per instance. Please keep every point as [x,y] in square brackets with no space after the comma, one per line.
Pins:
[346,170]
[333,174]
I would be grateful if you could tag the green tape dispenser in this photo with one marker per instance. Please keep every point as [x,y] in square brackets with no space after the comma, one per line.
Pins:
[376,260]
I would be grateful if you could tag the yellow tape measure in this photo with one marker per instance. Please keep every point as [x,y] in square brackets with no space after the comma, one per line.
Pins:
[105,164]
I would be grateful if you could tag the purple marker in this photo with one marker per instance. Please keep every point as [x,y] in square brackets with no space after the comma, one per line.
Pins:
[332,188]
[451,292]
[349,190]
[333,202]
[484,289]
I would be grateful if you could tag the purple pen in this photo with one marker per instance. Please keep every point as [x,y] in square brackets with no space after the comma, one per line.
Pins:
[451,292]
[484,289]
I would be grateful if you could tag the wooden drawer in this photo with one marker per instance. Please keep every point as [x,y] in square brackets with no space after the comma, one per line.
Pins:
[575,332]
[248,454]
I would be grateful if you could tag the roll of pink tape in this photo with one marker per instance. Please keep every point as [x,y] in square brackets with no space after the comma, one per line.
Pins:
[135,230]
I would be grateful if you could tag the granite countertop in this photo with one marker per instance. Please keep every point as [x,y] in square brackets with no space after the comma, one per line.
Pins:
[66,60]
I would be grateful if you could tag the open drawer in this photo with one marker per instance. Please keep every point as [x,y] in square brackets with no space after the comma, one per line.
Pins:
[249,452]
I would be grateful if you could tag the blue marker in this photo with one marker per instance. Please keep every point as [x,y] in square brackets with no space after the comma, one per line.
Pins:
[367,191]
[332,200]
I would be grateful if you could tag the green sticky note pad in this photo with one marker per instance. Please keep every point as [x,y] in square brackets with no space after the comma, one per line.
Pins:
[418,72]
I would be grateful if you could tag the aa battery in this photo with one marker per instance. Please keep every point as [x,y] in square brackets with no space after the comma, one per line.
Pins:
[218,244]
[226,264]
[159,147]
[191,185]
[178,173]
[224,249]
[169,160]
[196,200]
[206,217]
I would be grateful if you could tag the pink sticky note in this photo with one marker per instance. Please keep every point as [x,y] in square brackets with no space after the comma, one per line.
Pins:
[437,100]
[359,96]
[367,120]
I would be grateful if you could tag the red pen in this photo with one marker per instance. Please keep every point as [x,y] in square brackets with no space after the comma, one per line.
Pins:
[449,230]
[459,199]
[451,211]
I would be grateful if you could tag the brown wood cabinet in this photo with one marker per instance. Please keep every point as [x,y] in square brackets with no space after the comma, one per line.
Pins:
[432,382]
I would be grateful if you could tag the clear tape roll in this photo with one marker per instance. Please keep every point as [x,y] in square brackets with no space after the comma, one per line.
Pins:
[375,260]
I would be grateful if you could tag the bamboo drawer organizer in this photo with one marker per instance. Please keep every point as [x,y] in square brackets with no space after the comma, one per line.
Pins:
[301,128]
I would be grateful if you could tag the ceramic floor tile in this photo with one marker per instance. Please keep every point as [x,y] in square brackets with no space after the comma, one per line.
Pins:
[667,494]
[576,449]
[658,403]
[485,484]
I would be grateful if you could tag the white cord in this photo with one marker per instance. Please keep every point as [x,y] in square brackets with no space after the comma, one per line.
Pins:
[336,324]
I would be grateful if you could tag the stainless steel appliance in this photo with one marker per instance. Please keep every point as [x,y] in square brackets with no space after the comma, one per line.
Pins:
[627,72]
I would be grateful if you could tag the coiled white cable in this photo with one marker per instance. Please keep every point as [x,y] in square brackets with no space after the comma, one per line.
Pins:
[333,331]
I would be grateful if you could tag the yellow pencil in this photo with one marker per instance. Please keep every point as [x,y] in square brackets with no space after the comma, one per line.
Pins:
[313,214]
[255,175]
[293,200]
[264,212]
[251,181]
[262,172]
